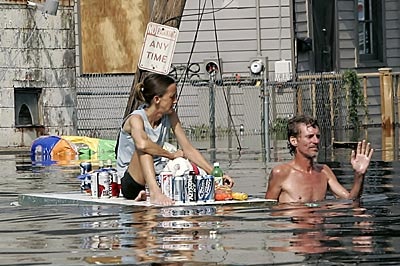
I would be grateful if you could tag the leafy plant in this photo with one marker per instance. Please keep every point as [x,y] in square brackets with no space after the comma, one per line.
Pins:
[355,97]
[279,124]
[279,127]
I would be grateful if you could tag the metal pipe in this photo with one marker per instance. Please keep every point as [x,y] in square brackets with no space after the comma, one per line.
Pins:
[266,118]
[258,28]
[212,116]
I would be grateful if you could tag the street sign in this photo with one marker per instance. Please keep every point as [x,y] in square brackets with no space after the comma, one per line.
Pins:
[158,48]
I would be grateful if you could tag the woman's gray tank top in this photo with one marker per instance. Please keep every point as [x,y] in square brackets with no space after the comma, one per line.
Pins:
[126,146]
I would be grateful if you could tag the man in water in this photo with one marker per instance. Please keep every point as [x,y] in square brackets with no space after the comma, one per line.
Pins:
[302,179]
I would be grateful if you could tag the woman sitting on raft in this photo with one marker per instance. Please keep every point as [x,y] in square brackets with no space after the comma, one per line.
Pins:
[142,136]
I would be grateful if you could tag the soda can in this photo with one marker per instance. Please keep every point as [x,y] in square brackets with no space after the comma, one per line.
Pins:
[147,190]
[179,189]
[119,175]
[115,190]
[101,184]
[206,188]
[176,224]
[86,184]
[158,180]
[185,188]
[94,186]
[180,246]
[177,212]
[191,187]
[86,167]
[166,183]
[199,183]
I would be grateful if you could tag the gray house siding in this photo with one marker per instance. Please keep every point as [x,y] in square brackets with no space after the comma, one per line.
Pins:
[237,39]
[392,15]
[347,34]
[347,42]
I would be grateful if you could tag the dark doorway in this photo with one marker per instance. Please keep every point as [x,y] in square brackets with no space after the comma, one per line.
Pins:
[323,14]
[27,106]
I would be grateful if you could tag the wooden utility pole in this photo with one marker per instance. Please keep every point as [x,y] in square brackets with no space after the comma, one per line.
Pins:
[165,12]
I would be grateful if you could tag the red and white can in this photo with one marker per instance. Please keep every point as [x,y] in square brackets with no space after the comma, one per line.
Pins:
[166,179]
[115,184]
[100,184]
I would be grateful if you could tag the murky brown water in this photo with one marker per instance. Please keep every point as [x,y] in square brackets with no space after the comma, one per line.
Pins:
[331,233]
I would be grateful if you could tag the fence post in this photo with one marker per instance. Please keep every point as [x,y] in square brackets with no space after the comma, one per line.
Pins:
[397,117]
[314,98]
[365,87]
[387,113]
[332,115]
[266,120]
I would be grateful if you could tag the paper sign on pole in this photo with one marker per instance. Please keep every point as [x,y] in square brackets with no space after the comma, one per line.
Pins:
[158,48]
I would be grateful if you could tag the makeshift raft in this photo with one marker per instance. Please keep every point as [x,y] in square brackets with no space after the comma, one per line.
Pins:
[78,198]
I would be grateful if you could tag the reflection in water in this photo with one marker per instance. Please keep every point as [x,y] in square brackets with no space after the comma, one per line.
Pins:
[169,234]
[328,227]
[329,233]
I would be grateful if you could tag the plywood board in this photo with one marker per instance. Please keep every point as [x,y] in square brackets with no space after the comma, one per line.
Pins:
[111,34]
[84,199]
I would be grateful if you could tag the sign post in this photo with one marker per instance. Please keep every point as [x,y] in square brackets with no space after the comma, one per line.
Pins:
[158,48]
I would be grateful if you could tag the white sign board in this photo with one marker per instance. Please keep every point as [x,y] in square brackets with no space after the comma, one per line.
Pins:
[158,48]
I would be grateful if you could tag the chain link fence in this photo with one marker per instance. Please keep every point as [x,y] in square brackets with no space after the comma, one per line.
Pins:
[236,112]
[101,102]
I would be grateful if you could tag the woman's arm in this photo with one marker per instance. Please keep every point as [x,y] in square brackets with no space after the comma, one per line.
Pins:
[135,126]
[190,152]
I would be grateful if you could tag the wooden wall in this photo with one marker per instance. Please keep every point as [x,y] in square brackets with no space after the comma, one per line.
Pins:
[62,2]
[111,34]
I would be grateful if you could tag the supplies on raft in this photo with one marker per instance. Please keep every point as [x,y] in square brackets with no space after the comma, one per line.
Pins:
[101,183]
[225,193]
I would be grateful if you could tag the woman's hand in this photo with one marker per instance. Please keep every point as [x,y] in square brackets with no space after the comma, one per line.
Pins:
[178,154]
[141,196]
[228,180]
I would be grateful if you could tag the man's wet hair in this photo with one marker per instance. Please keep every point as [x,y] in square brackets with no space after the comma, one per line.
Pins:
[293,129]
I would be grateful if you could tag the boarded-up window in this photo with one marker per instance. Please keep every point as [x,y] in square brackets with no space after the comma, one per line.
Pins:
[112,34]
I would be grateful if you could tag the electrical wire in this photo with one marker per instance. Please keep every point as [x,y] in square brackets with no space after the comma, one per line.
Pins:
[196,14]
[192,49]
[223,86]
[199,20]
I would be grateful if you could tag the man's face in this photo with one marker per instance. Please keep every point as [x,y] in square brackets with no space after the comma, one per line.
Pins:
[308,140]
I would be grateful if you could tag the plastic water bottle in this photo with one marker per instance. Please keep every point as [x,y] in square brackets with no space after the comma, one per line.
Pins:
[217,173]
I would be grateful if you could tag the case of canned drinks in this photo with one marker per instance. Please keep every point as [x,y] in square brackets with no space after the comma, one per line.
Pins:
[191,187]
[205,188]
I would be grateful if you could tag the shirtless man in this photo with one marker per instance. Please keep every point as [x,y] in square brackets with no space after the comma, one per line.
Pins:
[302,179]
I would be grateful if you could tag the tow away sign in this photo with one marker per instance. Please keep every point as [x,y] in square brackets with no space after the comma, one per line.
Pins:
[158,48]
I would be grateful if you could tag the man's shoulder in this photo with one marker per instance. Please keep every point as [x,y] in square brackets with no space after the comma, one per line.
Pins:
[283,168]
[321,167]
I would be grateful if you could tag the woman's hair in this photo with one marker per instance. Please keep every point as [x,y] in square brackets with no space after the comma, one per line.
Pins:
[293,128]
[153,85]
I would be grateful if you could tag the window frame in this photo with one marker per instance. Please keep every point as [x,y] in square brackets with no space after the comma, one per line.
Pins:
[378,56]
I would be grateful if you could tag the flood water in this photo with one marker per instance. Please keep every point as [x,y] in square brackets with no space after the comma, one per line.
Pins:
[332,232]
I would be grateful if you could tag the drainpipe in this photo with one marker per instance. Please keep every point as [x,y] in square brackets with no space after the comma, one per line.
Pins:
[294,36]
[258,28]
